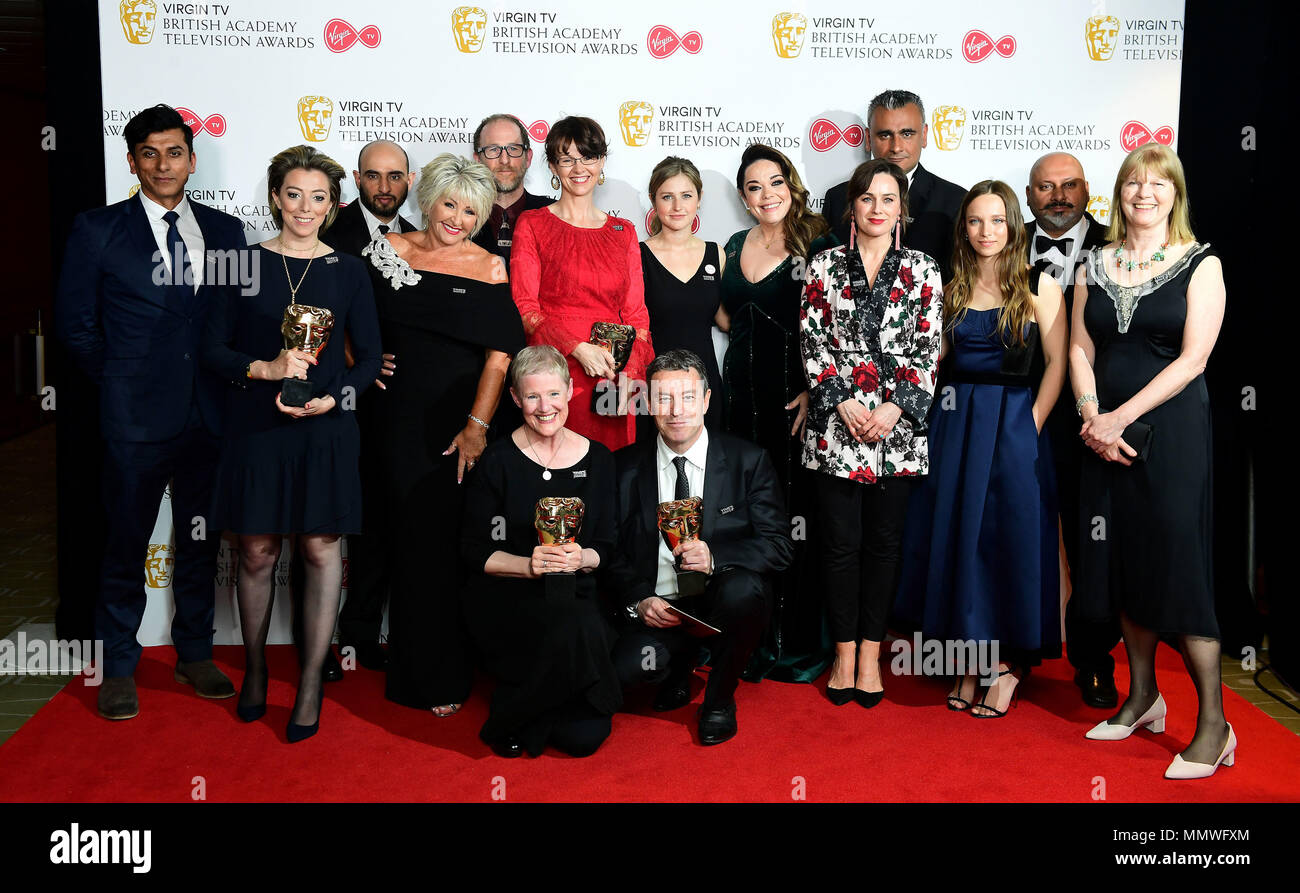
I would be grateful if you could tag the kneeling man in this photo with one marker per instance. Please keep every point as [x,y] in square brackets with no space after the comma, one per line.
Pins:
[718,571]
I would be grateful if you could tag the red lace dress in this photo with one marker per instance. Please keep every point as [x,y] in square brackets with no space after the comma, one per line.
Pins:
[564,278]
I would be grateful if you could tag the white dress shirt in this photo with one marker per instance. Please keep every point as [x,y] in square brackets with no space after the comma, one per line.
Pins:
[696,456]
[1061,264]
[188,227]
[372,222]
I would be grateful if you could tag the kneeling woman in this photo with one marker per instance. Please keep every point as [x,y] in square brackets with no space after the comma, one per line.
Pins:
[532,609]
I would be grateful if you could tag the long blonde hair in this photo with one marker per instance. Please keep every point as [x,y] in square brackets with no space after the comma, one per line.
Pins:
[1013,276]
[802,226]
[1160,160]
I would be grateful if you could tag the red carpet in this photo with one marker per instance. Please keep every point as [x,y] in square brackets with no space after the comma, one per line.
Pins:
[909,748]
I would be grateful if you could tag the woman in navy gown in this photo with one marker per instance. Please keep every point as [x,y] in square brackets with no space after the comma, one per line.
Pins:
[980,548]
[292,469]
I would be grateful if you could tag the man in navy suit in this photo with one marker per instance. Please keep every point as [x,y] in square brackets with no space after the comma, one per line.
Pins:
[132,300]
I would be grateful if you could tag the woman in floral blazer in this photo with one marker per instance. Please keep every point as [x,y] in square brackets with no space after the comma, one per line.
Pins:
[870,335]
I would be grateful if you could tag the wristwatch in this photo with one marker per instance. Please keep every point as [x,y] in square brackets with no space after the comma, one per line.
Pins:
[632,611]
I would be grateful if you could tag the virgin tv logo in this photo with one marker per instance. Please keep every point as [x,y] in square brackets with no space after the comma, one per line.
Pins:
[1135,133]
[977,46]
[212,124]
[341,36]
[538,130]
[663,41]
[825,134]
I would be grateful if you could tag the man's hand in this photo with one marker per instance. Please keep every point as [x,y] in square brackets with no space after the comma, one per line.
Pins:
[654,613]
[695,556]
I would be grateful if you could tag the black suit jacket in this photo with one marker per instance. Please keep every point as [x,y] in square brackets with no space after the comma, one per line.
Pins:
[121,329]
[486,237]
[1093,237]
[743,517]
[932,203]
[349,233]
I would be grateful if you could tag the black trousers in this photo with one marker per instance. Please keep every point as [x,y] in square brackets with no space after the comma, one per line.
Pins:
[736,601]
[135,477]
[862,539]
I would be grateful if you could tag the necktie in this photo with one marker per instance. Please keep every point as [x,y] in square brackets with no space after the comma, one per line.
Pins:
[182,281]
[1043,244]
[683,488]
[383,229]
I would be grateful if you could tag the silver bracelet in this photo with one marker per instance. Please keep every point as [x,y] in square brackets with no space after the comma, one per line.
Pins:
[1086,398]
[474,418]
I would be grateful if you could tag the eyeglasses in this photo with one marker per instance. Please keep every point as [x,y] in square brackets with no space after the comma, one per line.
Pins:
[514,150]
[566,161]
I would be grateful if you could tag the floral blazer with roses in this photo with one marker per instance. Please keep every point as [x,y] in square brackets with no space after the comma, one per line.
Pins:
[874,345]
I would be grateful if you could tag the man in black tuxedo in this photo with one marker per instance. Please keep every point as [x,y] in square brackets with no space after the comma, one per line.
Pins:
[138,278]
[743,539]
[897,132]
[1060,237]
[501,142]
[383,180]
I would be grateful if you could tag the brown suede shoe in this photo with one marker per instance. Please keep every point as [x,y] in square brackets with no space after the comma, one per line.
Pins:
[117,698]
[208,681]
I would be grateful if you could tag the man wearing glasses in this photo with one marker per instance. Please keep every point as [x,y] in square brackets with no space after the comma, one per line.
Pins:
[501,142]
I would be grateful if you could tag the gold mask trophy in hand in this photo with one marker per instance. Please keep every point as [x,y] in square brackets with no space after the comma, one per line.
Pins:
[618,340]
[558,520]
[304,328]
[679,522]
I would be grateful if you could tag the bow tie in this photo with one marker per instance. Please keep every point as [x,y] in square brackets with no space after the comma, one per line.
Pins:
[1043,244]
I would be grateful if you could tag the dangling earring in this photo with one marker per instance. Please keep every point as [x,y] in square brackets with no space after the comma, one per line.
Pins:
[555,182]
[898,234]
[853,229]
[600,181]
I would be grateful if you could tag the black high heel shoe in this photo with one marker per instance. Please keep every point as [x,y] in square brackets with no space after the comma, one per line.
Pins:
[839,696]
[295,732]
[993,712]
[251,712]
[868,699]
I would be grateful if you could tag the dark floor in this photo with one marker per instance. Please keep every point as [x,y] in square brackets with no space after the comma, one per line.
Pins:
[28,582]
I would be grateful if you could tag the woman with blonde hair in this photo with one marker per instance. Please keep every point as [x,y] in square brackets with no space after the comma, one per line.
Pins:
[980,547]
[1147,310]
[445,310]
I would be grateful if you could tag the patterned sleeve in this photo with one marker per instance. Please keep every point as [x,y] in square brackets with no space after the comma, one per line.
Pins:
[914,377]
[816,340]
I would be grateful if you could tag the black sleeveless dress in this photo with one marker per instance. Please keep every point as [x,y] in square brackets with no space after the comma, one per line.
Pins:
[1145,529]
[681,315]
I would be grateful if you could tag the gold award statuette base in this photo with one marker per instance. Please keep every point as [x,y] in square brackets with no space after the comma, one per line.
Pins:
[679,522]
[304,328]
[558,520]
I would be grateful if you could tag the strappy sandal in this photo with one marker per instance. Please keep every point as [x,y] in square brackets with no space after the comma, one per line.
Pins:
[955,701]
[993,712]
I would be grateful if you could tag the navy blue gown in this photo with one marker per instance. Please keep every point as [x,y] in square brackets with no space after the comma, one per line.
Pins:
[980,543]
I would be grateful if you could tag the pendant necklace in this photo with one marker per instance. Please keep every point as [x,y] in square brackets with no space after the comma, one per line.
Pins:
[546,466]
[293,289]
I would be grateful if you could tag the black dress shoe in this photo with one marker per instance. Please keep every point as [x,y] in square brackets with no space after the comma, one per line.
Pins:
[332,670]
[672,694]
[370,655]
[508,747]
[717,724]
[1098,689]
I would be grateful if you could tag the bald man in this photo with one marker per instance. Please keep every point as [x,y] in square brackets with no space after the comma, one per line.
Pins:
[1060,235]
[383,179]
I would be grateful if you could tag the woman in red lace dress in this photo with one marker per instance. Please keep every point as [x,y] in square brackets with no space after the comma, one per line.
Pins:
[572,265]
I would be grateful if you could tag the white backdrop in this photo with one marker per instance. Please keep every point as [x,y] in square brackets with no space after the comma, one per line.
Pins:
[1003,82]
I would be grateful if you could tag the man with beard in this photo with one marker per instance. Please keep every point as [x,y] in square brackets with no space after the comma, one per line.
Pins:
[1060,236]
[501,142]
[383,180]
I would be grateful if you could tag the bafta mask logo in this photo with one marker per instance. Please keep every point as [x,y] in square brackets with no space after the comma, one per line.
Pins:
[469,27]
[679,520]
[314,116]
[306,328]
[949,126]
[158,566]
[634,120]
[138,17]
[1099,207]
[788,30]
[1100,34]
[558,519]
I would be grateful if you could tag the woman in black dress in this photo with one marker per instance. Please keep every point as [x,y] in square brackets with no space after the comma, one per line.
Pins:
[682,274]
[1147,311]
[448,318]
[532,609]
[765,386]
[292,469]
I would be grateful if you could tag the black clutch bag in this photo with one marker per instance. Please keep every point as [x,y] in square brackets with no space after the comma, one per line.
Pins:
[1138,436]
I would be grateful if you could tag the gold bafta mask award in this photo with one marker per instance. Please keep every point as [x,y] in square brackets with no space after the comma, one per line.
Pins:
[615,338]
[558,520]
[634,119]
[307,329]
[679,522]
[1100,34]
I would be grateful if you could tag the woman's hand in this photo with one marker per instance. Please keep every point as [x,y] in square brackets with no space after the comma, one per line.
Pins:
[316,406]
[555,558]
[386,369]
[881,421]
[469,443]
[1116,452]
[801,417]
[1103,429]
[854,416]
[291,363]
[595,361]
